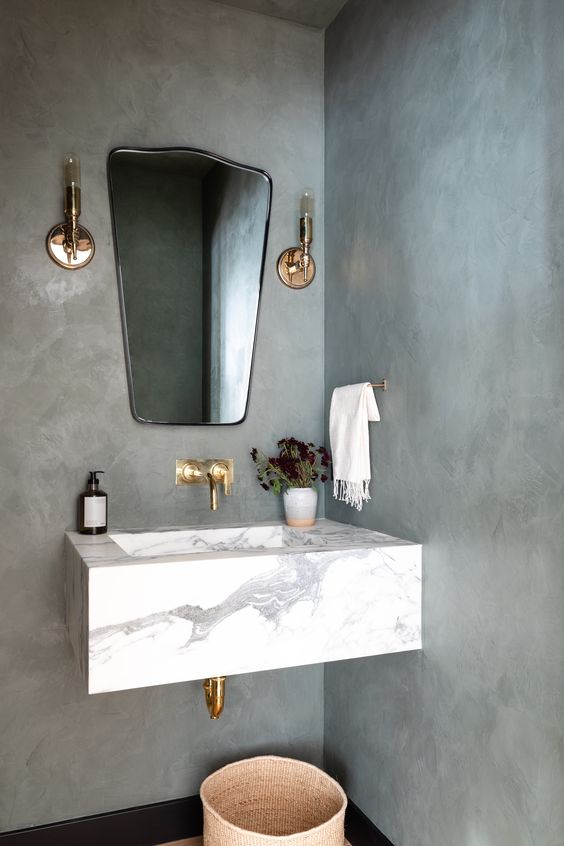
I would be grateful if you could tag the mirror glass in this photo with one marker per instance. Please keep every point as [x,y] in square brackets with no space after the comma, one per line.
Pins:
[190,232]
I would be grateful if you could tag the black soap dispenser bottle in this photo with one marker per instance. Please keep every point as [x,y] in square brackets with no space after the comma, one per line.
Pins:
[93,507]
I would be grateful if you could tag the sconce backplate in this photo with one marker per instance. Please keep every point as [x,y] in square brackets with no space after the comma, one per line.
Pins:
[290,270]
[57,252]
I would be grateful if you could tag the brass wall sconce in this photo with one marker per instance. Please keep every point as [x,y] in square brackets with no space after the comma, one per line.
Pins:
[296,267]
[69,245]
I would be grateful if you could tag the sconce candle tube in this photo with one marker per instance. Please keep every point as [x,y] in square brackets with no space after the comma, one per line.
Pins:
[306,203]
[71,172]
[306,217]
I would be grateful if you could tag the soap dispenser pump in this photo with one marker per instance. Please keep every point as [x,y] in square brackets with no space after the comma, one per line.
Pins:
[93,507]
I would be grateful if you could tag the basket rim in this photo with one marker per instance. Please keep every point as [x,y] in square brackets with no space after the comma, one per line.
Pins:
[273,837]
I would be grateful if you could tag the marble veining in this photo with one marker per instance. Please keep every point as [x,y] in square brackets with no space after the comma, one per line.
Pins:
[249,598]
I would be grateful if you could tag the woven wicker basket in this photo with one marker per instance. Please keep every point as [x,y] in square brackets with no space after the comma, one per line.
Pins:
[270,800]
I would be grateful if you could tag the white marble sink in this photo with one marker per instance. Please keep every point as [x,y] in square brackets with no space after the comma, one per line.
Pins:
[143,544]
[171,605]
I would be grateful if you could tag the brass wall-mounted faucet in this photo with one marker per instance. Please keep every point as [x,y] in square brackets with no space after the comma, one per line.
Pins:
[211,471]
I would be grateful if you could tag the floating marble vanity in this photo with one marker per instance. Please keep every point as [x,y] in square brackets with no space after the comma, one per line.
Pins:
[148,608]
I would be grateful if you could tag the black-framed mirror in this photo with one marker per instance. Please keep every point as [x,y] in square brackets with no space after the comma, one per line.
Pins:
[190,231]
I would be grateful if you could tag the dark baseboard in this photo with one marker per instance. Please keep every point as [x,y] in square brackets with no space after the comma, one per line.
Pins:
[147,825]
[360,831]
[150,825]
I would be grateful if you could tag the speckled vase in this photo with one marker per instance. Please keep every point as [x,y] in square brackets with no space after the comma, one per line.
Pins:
[300,507]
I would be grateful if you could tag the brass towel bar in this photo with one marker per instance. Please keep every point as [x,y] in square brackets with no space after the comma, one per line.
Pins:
[383,384]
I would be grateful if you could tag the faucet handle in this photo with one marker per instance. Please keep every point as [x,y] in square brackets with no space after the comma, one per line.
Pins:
[189,471]
[222,472]
[200,471]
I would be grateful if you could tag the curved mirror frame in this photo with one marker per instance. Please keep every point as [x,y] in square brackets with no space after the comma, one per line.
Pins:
[190,232]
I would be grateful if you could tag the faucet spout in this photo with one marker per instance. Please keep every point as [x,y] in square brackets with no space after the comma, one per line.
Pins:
[213,492]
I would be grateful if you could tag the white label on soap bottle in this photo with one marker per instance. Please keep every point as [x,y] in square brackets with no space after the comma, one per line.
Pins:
[94,512]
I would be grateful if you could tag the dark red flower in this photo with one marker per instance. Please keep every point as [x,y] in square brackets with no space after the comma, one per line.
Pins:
[298,464]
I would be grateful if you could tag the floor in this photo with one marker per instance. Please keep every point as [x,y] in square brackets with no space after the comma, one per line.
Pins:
[198,841]
[193,841]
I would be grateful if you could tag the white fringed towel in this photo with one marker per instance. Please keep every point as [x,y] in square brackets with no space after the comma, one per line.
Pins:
[352,407]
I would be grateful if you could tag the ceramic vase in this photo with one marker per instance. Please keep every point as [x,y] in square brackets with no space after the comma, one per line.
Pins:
[300,507]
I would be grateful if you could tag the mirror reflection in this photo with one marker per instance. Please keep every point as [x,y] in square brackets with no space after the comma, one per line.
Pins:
[190,232]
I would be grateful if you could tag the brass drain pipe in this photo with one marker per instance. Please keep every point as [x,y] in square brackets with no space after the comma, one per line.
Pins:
[214,691]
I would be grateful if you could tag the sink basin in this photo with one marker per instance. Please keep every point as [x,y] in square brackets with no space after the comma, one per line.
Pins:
[141,544]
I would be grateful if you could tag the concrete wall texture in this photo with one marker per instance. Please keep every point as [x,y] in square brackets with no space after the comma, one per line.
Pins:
[88,76]
[444,254]
[445,130]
